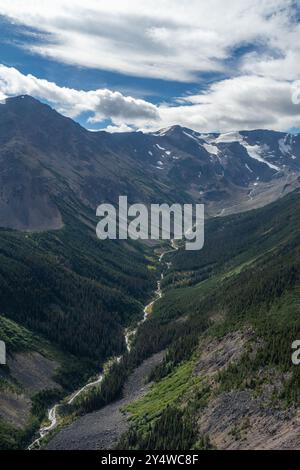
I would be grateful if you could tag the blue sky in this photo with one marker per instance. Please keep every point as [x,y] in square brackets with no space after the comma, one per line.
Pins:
[124,65]
[80,77]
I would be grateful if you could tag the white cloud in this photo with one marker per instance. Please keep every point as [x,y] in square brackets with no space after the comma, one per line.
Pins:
[245,102]
[122,128]
[239,103]
[171,39]
[174,40]
[102,103]
[284,67]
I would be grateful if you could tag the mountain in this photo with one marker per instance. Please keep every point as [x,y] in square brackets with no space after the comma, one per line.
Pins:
[228,172]
[50,162]
[67,298]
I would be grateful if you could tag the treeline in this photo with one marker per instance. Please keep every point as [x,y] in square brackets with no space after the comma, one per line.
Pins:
[239,237]
[256,282]
[156,334]
[182,348]
[173,430]
[252,265]
[152,337]
[262,269]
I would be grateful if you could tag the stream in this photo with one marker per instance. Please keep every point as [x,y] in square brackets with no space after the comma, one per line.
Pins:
[129,336]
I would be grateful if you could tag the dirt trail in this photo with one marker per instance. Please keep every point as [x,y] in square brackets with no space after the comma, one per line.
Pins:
[102,429]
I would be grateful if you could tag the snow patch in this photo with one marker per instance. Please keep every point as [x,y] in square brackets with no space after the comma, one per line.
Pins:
[285,147]
[208,138]
[191,136]
[254,151]
[162,132]
[229,137]
[159,147]
[212,149]
[208,145]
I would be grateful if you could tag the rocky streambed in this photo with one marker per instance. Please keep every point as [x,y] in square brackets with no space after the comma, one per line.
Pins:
[102,429]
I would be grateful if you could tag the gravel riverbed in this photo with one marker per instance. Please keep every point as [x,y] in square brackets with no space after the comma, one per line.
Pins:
[102,429]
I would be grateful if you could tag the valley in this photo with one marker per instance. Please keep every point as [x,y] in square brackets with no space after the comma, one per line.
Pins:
[233,385]
[53,413]
[226,379]
[213,346]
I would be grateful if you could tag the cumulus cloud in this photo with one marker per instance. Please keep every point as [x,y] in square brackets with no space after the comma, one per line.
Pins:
[170,39]
[102,103]
[245,102]
[122,128]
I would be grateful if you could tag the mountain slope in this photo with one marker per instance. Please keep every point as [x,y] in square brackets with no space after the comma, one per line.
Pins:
[49,161]
[37,373]
[64,286]
[228,317]
[228,172]
[77,294]
[233,386]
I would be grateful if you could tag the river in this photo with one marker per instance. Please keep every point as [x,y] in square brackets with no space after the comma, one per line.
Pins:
[129,336]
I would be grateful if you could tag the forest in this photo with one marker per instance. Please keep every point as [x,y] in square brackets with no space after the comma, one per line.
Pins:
[73,289]
[249,275]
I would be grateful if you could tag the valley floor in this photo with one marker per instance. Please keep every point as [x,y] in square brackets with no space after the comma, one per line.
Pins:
[102,429]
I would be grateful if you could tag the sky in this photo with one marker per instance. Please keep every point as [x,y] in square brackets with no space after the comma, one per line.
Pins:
[124,65]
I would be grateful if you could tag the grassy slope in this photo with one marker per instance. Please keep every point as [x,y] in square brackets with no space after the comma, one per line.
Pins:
[248,273]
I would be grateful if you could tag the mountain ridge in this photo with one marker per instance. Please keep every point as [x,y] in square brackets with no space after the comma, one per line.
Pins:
[48,160]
